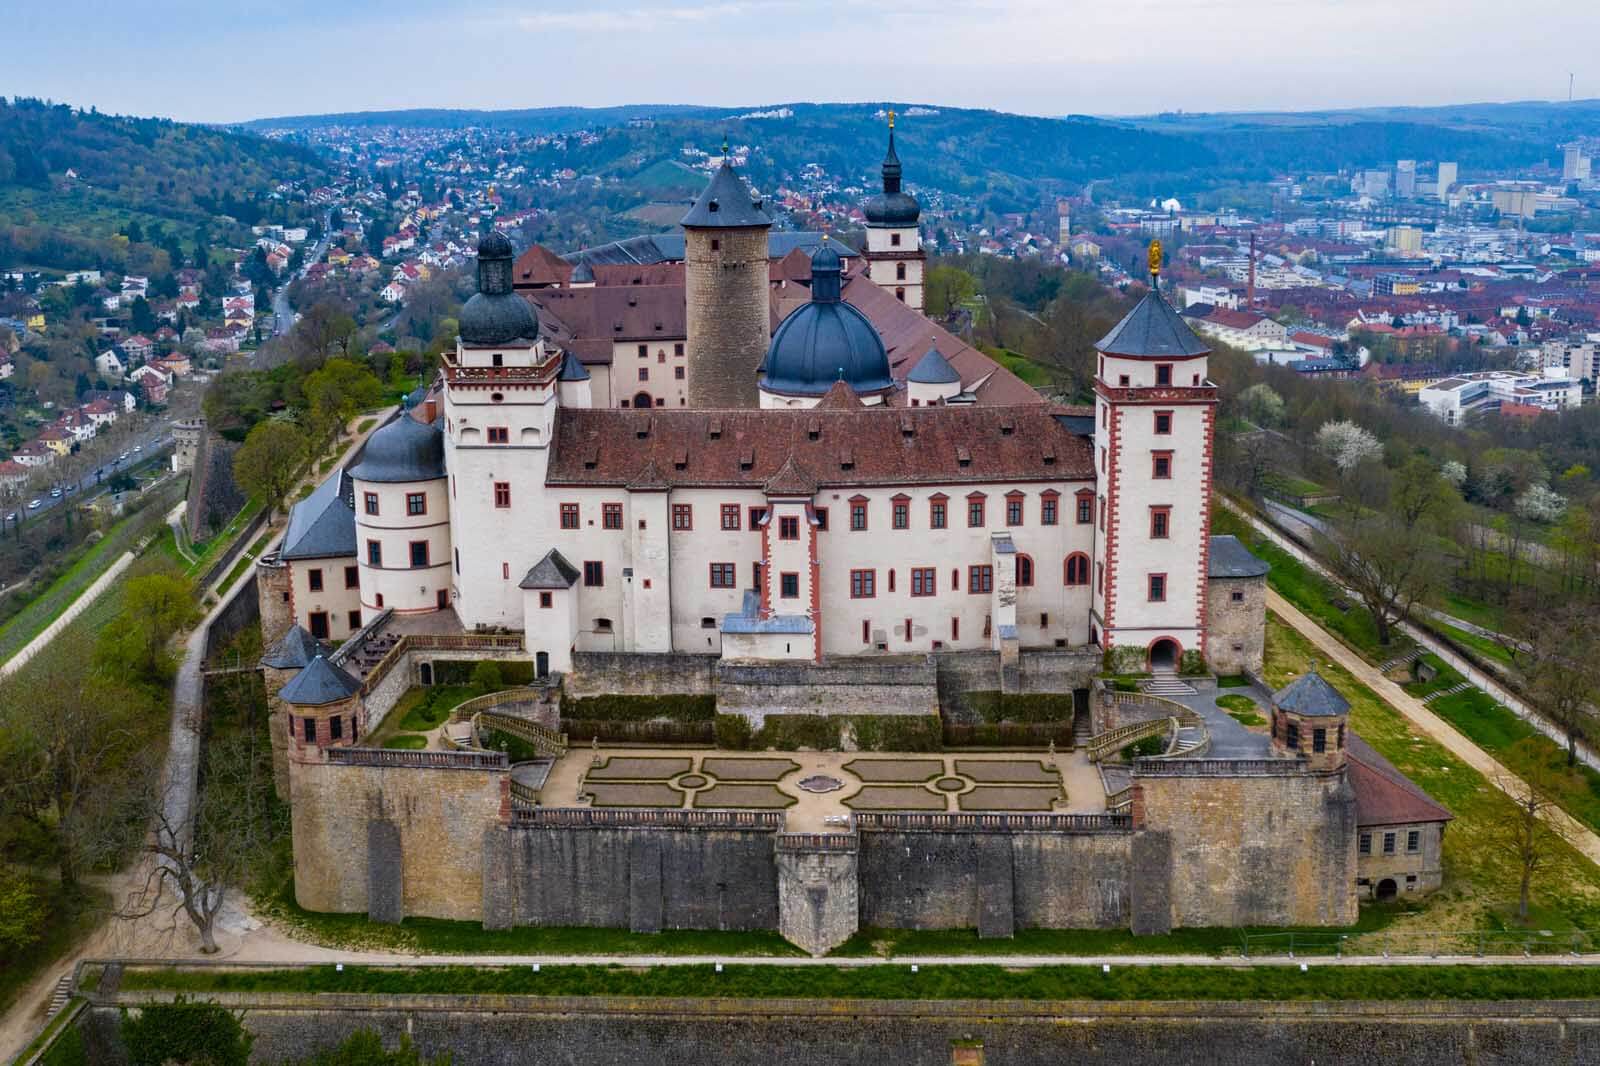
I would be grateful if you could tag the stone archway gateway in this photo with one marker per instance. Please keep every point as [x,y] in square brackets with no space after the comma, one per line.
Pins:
[1387,890]
[1164,654]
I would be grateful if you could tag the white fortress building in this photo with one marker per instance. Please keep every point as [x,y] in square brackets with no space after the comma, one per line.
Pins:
[852,510]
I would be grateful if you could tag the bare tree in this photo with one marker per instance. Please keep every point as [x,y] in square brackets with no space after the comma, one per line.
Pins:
[1522,831]
[1556,648]
[1391,568]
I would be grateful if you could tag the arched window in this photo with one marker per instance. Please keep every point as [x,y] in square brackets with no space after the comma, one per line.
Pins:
[1077,572]
[1024,571]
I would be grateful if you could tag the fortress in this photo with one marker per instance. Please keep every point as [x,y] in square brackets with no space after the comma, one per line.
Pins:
[848,530]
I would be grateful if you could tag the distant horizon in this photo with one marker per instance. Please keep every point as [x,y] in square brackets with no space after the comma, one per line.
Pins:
[199,61]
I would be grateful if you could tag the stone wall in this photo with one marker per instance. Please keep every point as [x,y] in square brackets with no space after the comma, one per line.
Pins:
[646,879]
[728,314]
[242,611]
[214,496]
[1425,865]
[1276,847]
[592,1031]
[898,686]
[275,598]
[1236,632]
[409,834]
[1058,670]
[604,673]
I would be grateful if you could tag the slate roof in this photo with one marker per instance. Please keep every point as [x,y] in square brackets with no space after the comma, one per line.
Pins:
[1230,558]
[934,369]
[572,368]
[837,446]
[726,203]
[1311,696]
[551,572]
[404,450]
[1384,795]
[323,525]
[668,248]
[749,620]
[1152,329]
[318,684]
[294,650]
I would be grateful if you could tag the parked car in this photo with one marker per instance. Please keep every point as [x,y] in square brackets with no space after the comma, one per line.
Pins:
[34,505]
[55,494]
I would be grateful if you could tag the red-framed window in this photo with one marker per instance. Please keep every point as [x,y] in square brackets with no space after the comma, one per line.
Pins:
[1102,514]
[821,515]
[788,527]
[1085,508]
[374,553]
[677,373]
[1163,374]
[505,571]
[938,511]
[569,516]
[369,502]
[1099,577]
[1076,570]
[858,514]
[1163,423]
[314,579]
[866,631]
[1157,588]
[354,620]
[419,554]
[416,503]
[924,581]
[757,515]
[1049,508]
[547,600]
[1014,509]
[900,512]
[594,573]
[502,494]
[863,584]
[789,585]
[891,579]
[724,576]
[1160,523]
[611,516]
[1024,570]
[980,580]
[955,579]
[730,517]
[682,516]
[955,629]
[1161,465]
[498,435]
[975,504]
[644,373]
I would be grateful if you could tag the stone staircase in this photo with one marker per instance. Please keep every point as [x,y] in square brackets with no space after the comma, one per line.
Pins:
[1451,691]
[1082,732]
[1190,740]
[1169,687]
[59,997]
[1401,660]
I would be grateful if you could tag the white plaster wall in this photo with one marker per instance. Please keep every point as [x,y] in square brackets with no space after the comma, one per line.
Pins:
[551,629]
[661,381]
[693,598]
[334,598]
[404,588]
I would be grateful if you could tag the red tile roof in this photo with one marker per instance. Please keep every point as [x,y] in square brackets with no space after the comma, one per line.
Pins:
[836,446]
[540,266]
[1384,795]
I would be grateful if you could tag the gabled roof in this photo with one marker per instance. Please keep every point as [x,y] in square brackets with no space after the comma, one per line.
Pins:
[790,480]
[1230,558]
[551,572]
[1384,795]
[318,684]
[1152,329]
[1311,696]
[323,525]
[294,650]
[726,203]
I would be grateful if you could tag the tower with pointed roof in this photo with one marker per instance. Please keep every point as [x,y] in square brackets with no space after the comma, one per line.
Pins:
[1155,410]
[895,259]
[725,291]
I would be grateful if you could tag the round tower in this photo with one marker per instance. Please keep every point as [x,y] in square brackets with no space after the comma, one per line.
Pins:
[402,509]
[725,291]
[283,660]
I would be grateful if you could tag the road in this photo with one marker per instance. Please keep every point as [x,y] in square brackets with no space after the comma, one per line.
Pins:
[282,313]
[138,449]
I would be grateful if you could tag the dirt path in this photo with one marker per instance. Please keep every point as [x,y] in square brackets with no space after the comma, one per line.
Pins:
[1576,833]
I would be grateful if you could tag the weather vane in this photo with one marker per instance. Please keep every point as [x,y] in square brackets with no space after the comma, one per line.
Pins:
[891,118]
[1155,260]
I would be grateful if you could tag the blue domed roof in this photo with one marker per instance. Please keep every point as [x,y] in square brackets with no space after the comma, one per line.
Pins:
[825,341]
[496,316]
[404,450]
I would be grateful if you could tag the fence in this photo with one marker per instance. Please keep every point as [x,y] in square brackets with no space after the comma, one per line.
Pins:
[1069,823]
[838,842]
[1159,767]
[437,760]
[591,818]
[1480,943]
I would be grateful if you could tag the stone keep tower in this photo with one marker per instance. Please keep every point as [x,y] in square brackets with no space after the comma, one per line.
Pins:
[1155,411]
[725,290]
[186,437]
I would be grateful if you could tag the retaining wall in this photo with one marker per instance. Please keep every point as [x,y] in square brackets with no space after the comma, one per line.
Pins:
[603,673]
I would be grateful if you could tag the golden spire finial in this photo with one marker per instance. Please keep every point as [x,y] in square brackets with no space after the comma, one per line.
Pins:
[1155,258]
[891,118]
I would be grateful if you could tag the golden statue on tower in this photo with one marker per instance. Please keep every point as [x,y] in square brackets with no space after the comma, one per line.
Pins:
[1155,257]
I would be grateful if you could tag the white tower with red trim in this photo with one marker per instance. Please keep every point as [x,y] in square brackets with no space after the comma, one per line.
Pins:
[1155,410]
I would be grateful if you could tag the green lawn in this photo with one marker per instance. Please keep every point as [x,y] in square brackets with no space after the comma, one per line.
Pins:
[247,558]
[1482,645]
[1480,872]
[406,742]
[1042,983]
[218,545]
[1241,709]
[1033,373]
[1445,678]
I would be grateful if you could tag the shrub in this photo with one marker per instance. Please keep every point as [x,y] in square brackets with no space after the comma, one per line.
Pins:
[656,732]
[451,672]
[1124,659]
[486,676]
[182,1031]
[1192,664]
[732,731]
[1009,735]
[994,706]
[617,708]
[1145,747]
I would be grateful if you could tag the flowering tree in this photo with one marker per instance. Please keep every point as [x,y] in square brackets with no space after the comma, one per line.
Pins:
[1347,445]
[1541,503]
[1454,472]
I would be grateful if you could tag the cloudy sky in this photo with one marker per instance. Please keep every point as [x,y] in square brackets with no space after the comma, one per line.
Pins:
[224,60]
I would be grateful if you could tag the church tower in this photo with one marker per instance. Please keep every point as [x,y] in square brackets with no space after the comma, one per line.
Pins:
[1155,412]
[725,291]
[895,260]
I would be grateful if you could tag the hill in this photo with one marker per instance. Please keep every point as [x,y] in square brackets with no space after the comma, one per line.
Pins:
[75,179]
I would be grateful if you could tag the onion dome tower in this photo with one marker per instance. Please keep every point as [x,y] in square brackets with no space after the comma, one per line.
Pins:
[402,519]
[496,317]
[895,259]
[725,290]
[823,342]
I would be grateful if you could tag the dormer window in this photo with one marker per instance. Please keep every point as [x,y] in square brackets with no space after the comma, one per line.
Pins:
[963,456]
[814,429]
[908,428]
[1008,426]
[747,459]
[715,429]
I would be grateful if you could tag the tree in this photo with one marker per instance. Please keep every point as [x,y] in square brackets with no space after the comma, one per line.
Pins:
[269,460]
[1390,566]
[1262,404]
[185,1034]
[1541,503]
[339,391]
[22,912]
[1558,651]
[155,607]
[1521,830]
[946,288]
[1347,445]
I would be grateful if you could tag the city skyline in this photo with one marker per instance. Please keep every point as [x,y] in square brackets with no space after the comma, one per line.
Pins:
[192,61]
